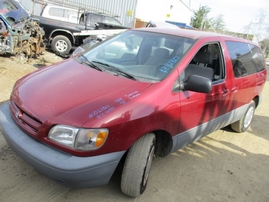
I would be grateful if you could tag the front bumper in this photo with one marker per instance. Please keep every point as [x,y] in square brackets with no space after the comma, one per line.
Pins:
[71,171]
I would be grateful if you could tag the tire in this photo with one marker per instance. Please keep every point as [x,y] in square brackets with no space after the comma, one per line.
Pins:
[61,45]
[243,124]
[137,166]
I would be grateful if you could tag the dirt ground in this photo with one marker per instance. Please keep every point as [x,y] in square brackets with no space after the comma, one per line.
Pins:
[224,166]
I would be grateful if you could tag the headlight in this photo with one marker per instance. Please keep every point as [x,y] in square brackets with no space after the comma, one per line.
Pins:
[78,138]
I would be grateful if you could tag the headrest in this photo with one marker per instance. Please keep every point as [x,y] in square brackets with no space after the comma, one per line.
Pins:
[161,52]
[203,57]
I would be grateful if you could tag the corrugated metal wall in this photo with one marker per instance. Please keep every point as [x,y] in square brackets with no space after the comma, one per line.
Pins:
[125,9]
[29,7]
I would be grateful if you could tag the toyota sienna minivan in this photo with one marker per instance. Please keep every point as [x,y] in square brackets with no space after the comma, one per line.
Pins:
[142,94]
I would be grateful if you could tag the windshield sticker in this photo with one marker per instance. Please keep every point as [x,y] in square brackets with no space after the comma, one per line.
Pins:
[169,64]
[101,112]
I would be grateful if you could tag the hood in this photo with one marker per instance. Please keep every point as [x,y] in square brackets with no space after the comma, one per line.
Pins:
[72,93]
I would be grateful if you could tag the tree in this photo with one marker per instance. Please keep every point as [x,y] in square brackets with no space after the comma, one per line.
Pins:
[259,27]
[199,20]
[265,46]
[218,23]
[202,22]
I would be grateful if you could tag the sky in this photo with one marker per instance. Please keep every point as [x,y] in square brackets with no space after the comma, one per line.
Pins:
[237,14]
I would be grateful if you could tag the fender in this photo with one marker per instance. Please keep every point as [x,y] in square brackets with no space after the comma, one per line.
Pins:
[62,30]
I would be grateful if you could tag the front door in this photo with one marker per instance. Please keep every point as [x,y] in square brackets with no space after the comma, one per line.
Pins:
[202,113]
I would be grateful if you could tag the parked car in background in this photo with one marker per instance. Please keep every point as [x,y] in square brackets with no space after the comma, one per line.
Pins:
[142,94]
[13,11]
[19,33]
[61,13]
[76,15]
[160,24]
[66,28]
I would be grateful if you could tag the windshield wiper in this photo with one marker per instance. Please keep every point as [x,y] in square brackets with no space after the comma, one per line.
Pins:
[117,70]
[89,63]
[101,63]
[127,75]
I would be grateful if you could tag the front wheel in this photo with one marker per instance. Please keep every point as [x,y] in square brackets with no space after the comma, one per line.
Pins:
[243,124]
[61,45]
[137,166]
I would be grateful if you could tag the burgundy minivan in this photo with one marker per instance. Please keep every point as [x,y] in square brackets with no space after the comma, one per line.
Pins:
[141,94]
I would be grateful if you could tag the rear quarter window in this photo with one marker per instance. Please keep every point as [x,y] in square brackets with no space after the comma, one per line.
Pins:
[56,12]
[246,58]
[60,12]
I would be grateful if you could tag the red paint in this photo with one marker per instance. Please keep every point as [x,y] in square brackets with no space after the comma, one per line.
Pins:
[74,94]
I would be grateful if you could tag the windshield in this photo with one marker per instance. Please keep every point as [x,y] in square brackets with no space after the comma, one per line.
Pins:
[110,20]
[144,56]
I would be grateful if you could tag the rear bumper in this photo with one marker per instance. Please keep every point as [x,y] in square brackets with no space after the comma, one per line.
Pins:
[71,171]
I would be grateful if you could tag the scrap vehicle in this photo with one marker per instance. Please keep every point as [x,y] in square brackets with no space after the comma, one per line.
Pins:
[13,10]
[142,94]
[19,33]
[62,34]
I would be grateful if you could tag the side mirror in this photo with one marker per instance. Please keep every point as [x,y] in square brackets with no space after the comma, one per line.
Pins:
[197,84]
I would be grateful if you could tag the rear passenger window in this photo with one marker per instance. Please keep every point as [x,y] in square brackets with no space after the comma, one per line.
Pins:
[246,59]
[257,58]
[56,12]
[65,13]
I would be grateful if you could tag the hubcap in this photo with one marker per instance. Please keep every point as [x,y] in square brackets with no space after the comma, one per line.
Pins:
[248,117]
[61,45]
[148,166]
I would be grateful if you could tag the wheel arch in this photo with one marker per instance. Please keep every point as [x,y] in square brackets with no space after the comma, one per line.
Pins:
[164,143]
[257,101]
[65,33]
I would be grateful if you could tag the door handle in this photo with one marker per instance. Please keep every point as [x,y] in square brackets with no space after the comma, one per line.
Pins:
[225,92]
[235,89]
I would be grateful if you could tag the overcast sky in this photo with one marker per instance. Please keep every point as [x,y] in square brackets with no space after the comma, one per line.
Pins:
[237,14]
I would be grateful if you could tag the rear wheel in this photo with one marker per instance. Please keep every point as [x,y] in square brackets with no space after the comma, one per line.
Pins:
[61,45]
[137,166]
[243,124]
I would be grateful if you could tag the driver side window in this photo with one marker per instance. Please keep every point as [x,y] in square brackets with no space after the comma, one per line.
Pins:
[95,19]
[208,62]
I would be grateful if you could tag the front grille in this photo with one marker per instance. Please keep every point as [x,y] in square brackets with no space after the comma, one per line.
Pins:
[25,121]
